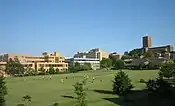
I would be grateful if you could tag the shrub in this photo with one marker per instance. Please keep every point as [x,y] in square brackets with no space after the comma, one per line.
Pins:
[142,80]
[119,64]
[55,104]
[51,70]
[160,88]
[3,91]
[122,84]
[167,70]
[81,94]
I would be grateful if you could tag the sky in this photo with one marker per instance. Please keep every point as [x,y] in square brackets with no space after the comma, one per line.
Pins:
[68,26]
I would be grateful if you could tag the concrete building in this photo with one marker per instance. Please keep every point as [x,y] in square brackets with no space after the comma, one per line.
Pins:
[95,63]
[46,61]
[93,53]
[160,51]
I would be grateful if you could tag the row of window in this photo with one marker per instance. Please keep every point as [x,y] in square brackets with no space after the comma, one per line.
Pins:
[53,65]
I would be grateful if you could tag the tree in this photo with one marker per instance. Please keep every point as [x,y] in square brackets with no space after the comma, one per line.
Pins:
[86,66]
[135,53]
[119,64]
[51,70]
[122,84]
[148,54]
[3,91]
[153,66]
[41,69]
[142,65]
[160,88]
[14,67]
[126,53]
[76,67]
[125,57]
[106,63]
[81,94]
[30,71]
[167,69]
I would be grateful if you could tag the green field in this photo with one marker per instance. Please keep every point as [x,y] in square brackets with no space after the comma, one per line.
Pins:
[46,92]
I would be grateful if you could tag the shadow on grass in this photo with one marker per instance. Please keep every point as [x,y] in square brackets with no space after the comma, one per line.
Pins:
[66,96]
[138,98]
[104,91]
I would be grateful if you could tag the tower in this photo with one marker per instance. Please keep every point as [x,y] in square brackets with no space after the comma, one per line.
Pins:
[147,42]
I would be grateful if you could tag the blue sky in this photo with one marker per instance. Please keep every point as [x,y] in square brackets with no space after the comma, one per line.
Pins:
[68,26]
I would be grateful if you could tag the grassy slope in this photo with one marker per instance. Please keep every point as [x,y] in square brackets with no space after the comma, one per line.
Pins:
[45,92]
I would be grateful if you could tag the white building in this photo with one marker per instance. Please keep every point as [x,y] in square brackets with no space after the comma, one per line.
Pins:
[95,63]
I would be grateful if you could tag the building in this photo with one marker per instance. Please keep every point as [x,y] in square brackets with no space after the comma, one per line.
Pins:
[147,42]
[95,63]
[160,51]
[93,53]
[46,61]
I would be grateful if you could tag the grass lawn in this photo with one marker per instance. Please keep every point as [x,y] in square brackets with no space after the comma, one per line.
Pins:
[46,92]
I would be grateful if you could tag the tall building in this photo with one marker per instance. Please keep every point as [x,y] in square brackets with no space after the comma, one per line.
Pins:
[160,51]
[46,61]
[147,42]
[93,53]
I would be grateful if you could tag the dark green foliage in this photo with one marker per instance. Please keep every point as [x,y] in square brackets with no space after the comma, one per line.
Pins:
[146,66]
[122,84]
[153,66]
[55,104]
[142,80]
[106,63]
[135,53]
[51,70]
[77,67]
[119,64]
[81,94]
[30,72]
[142,66]
[26,100]
[148,54]
[160,88]
[14,67]
[167,69]
[87,66]
[126,57]
[41,69]
[3,91]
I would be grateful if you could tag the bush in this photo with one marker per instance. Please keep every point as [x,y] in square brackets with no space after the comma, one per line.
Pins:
[3,91]
[119,64]
[122,84]
[55,104]
[51,70]
[142,80]
[167,70]
[160,88]
[81,94]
